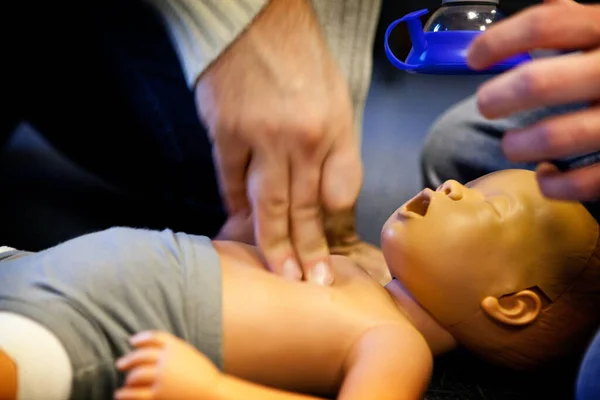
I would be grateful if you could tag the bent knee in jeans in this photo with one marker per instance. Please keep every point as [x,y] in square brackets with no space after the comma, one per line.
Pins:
[463,145]
[588,382]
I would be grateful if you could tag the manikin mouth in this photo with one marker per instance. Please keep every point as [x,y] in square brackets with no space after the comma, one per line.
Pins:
[417,206]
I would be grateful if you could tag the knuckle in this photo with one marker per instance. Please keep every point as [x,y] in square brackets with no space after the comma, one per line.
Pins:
[537,25]
[269,204]
[263,188]
[306,211]
[342,198]
[572,139]
[565,138]
[270,131]
[309,135]
[546,138]
[310,139]
[260,130]
[273,206]
[531,84]
[483,45]
[341,203]
[222,128]
[264,136]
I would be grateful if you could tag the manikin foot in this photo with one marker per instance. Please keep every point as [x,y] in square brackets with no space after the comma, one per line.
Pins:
[162,366]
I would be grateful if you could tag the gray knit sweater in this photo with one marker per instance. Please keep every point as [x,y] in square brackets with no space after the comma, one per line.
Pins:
[202,29]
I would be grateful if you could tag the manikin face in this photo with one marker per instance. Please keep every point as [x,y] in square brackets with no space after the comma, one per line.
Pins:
[454,246]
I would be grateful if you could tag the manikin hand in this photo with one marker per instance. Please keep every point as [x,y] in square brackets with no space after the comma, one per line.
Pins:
[571,78]
[279,114]
[165,367]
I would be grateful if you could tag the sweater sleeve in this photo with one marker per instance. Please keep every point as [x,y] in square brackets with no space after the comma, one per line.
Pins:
[202,29]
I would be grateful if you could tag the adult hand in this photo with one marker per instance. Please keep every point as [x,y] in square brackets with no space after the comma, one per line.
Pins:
[340,230]
[279,114]
[570,78]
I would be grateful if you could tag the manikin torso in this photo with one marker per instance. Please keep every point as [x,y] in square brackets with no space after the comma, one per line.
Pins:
[295,335]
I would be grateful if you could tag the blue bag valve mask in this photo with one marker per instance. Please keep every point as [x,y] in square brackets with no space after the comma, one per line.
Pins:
[441,46]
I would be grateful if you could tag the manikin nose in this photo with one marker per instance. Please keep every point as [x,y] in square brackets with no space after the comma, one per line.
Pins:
[452,189]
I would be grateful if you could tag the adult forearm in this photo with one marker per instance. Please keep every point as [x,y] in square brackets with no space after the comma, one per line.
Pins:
[202,29]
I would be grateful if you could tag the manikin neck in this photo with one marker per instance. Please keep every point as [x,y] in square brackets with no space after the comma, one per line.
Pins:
[438,338]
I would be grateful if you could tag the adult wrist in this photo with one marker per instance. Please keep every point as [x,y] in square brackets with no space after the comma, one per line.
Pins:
[202,30]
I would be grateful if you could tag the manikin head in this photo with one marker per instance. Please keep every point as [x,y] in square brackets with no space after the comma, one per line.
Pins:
[512,275]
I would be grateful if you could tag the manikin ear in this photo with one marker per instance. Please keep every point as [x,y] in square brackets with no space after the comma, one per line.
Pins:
[516,309]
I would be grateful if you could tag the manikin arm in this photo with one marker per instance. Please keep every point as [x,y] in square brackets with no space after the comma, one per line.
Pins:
[388,363]
[165,367]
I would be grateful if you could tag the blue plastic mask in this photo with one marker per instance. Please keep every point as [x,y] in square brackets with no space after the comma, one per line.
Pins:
[441,46]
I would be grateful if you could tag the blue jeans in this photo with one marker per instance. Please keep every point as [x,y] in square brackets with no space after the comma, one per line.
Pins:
[463,145]
[102,83]
[588,383]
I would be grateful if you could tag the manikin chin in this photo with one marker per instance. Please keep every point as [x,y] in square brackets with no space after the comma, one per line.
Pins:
[510,274]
